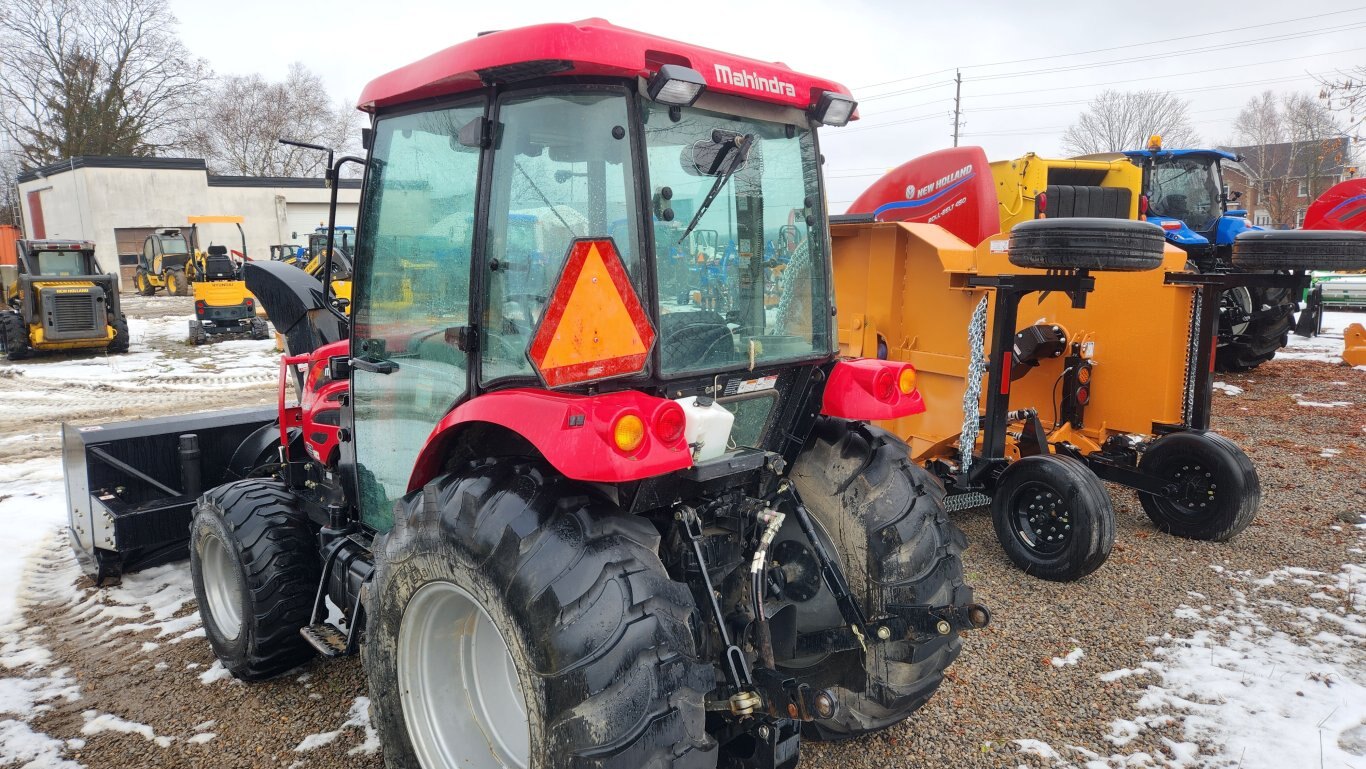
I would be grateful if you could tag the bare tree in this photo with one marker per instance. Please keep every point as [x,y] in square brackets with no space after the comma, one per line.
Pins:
[1123,120]
[1290,146]
[93,77]
[239,130]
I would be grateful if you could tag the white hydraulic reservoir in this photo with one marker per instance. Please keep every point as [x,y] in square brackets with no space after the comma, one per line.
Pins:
[706,427]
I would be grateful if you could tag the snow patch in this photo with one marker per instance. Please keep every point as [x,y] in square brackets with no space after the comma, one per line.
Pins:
[96,722]
[1228,389]
[1072,658]
[215,673]
[357,718]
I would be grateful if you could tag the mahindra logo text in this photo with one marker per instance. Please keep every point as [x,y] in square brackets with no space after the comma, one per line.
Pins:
[754,82]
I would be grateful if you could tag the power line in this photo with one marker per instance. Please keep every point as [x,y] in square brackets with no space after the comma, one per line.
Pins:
[1117,47]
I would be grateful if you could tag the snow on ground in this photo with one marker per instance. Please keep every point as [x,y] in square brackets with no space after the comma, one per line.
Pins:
[1228,389]
[1326,347]
[1265,681]
[357,718]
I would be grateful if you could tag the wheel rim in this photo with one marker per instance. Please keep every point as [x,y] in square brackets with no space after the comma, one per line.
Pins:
[1238,301]
[220,587]
[1043,520]
[1197,490]
[459,685]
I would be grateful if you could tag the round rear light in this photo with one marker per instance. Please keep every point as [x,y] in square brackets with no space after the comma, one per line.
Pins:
[884,386]
[669,423]
[1084,375]
[628,433]
[906,382]
[1083,395]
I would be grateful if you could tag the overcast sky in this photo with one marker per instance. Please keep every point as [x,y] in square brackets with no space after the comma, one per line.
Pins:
[898,57]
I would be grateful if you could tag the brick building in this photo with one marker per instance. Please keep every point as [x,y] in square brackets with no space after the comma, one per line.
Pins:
[1279,181]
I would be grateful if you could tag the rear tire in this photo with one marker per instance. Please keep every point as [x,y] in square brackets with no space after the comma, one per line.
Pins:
[1053,517]
[120,341]
[198,335]
[14,334]
[1110,245]
[1300,250]
[255,568]
[1218,488]
[176,282]
[597,636]
[885,517]
[1262,336]
[260,329]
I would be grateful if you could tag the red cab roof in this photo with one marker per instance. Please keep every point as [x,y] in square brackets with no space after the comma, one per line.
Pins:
[588,47]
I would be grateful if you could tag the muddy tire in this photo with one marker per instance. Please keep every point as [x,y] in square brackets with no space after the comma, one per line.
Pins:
[1053,517]
[1218,491]
[143,284]
[1245,345]
[1110,245]
[595,637]
[885,518]
[14,336]
[120,341]
[254,562]
[198,335]
[259,328]
[177,284]
[1300,250]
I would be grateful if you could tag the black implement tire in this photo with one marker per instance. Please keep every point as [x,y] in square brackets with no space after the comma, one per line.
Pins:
[120,341]
[254,562]
[599,636]
[695,339]
[177,284]
[1300,250]
[1053,517]
[885,518]
[260,329]
[1111,245]
[1217,486]
[14,335]
[1245,346]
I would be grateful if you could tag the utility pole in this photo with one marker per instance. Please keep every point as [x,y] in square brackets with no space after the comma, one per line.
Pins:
[957,103]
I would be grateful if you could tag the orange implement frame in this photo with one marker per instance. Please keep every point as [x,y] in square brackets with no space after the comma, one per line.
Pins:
[904,287]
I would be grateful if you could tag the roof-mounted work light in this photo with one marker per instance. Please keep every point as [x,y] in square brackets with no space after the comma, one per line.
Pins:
[834,109]
[676,85]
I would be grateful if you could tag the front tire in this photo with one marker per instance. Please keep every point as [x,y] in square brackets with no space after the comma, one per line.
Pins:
[1053,517]
[255,568]
[120,341]
[593,636]
[176,282]
[14,334]
[885,518]
[1218,491]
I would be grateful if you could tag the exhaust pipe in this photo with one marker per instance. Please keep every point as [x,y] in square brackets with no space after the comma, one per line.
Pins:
[191,483]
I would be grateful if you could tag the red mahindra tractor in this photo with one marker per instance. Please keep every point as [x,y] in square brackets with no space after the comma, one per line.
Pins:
[567,518]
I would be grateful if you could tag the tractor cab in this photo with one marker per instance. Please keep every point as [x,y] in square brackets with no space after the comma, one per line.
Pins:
[1185,195]
[165,262]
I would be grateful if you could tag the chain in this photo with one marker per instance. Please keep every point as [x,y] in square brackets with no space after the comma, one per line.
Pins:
[977,368]
[1192,353]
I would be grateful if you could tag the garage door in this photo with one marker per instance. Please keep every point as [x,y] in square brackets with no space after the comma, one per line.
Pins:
[129,240]
[303,218]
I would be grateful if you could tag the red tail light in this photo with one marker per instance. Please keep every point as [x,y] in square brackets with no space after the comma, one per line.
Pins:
[1142,206]
[1083,396]
[1171,225]
[669,423]
[1041,206]
[884,386]
[199,306]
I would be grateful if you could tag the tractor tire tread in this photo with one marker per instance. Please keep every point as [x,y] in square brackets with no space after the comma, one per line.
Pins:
[1108,245]
[1300,250]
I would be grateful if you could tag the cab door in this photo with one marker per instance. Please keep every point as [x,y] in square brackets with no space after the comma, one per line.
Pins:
[411,296]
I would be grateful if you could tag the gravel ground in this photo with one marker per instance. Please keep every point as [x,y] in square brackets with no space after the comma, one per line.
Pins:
[143,658]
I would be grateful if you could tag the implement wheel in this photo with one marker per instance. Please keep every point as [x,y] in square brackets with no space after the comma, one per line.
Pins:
[1300,250]
[884,517]
[516,622]
[254,562]
[1254,323]
[1053,517]
[14,336]
[1217,489]
[1111,245]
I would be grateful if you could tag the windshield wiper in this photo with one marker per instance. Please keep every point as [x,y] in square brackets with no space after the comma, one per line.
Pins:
[736,161]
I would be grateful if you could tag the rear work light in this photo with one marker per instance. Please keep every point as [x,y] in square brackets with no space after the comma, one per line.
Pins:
[676,85]
[835,109]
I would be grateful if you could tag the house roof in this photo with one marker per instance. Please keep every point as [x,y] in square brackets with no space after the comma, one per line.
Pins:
[1296,159]
[174,164]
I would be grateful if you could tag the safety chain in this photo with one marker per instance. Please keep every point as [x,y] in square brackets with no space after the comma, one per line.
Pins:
[977,368]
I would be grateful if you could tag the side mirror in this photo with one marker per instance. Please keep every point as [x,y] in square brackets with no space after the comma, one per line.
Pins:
[339,367]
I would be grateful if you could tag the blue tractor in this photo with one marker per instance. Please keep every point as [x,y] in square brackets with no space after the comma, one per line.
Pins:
[1184,193]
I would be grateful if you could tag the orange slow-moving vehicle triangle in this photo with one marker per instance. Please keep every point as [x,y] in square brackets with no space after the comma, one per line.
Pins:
[594,326]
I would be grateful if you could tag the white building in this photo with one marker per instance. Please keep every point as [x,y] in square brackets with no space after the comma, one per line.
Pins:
[118,201]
